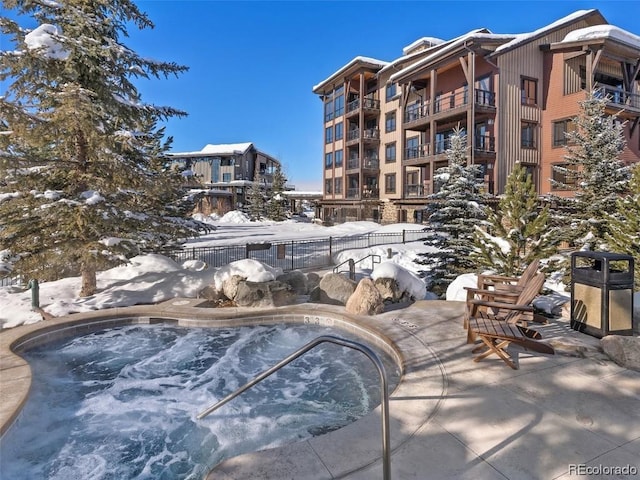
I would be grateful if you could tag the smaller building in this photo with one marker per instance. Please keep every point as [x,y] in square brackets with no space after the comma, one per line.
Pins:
[222,174]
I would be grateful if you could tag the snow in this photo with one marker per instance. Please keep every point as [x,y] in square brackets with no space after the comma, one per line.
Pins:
[218,149]
[603,31]
[355,61]
[424,41]
[155,278]
[43,38]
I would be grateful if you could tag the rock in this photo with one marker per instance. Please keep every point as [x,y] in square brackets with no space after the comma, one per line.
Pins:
[264,294]
[210,293]
[623,350]
[389,289]
[313,280]
[335,289]
[296,279]
[230,286]
[366,299]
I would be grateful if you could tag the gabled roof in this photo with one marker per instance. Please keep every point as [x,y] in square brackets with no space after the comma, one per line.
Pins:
[357,61]
[479,35]
[603,32]
[523,38]
[219,149]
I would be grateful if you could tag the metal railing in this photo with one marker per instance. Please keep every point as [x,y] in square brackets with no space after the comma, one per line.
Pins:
[352,264]
[384,393]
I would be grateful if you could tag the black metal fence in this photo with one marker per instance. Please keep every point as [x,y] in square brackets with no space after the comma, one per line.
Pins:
[287,255]
[293,254]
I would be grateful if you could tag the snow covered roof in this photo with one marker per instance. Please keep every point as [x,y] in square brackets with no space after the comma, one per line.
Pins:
[527,37]
[365,60]
[478,34]
[220,149]
[598,32]
[421,42]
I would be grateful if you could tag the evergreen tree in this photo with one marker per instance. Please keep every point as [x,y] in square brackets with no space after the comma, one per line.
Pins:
[623,232]
[255,195]
[276,204]
[453,213]
[594,171]
[86,183]
[518,232]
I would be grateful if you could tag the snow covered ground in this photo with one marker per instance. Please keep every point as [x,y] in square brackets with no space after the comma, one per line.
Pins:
[155,278]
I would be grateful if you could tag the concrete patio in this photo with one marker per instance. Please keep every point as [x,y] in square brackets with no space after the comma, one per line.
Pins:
[575,414]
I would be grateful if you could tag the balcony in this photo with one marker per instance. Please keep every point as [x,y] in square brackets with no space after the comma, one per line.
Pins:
[417,154]
[620,100]
[417,190]
[416,114]
[371,163]
[353,136]
[353,163]
[456,103]
[371,135]
[367,193]
[369,106]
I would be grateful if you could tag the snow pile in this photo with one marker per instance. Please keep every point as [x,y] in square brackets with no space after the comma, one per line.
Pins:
[44,37]
[235,217]
[456,291]
[407,281]
[208,219]
[251,270]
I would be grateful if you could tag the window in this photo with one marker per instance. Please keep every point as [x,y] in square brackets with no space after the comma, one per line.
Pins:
[412,147]
[560,130]
[339,131]
[563,173]
[390,183]
[529,91]
[328,135]
[390,122]
[338,185]
[328,186]
[328,110]
[528,135]
[338,158]
[391,91]
[390,152]
[226,177]
[328,160]
[339,105]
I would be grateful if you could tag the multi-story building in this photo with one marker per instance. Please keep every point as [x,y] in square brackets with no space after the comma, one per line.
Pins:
[387,125]
[224,173]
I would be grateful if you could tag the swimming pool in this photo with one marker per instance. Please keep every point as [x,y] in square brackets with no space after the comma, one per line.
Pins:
[121,403]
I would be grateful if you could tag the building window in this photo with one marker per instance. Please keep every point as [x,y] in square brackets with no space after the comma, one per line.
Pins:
[391,91]
[411,147]
[563,173]
[560,130]
[328,160]
[390,122]
[328,186]
[328,110]
[339,131]
[338,185]
[529,91]
[338,158]
[226,177]
[390,152]
[390,183]
[339,105]
[528,135]
[328,135]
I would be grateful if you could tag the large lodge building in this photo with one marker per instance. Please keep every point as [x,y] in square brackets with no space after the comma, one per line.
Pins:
[387,125]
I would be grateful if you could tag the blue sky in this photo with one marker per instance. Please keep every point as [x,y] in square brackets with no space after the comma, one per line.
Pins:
[252,64]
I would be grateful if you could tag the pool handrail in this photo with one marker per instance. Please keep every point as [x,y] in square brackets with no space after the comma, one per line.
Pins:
[384,406]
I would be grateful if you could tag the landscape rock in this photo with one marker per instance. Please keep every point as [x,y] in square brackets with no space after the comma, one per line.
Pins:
[335,289]
[230,286]
[210,293]
[389,289]
[624,350]
[296,279]
[366,299]
[264,294]
[313,280]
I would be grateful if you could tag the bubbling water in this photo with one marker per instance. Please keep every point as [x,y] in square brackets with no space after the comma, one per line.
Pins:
[121,403]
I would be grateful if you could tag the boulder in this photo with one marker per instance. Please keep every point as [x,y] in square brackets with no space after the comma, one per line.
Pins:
[313,280]
[230,286]
[210,293]
[389,289]
[264,294]
[296,279]
[335,289]
[623,350]
[366,299]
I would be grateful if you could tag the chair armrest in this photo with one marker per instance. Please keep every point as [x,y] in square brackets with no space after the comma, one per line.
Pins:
[502,305]
[490,293]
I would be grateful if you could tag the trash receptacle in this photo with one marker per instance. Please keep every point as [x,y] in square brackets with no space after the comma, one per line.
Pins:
[602,293]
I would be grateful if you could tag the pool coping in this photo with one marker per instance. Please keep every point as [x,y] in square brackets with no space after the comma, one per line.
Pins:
[416,399]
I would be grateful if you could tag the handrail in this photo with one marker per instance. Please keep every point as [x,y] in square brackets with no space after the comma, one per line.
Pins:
[352,264]
[384,394]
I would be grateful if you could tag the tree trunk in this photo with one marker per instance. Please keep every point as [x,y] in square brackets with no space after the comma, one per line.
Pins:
[88,280]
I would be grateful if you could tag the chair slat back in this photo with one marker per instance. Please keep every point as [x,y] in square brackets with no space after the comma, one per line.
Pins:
[528,273]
